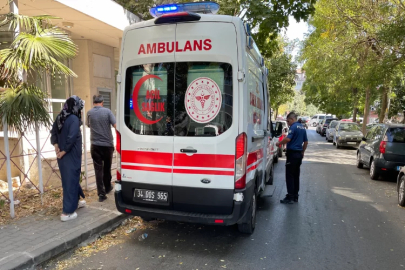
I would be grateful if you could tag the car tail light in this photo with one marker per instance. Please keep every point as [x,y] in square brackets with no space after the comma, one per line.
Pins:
[240,161]
[118,147]
[383,145]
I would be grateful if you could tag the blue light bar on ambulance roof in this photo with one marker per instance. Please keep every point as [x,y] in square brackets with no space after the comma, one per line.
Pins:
[196,7]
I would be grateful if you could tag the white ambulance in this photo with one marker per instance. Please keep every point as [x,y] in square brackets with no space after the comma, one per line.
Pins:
[193,133]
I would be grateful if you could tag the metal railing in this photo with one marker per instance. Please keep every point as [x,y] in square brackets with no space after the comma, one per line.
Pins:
[38,153]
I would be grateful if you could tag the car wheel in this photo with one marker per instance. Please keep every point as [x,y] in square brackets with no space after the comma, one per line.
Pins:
[359,163]
[334,143]
[249,226]
[275,158]
[280,152]
[373,171]
[271,176]
[401,191]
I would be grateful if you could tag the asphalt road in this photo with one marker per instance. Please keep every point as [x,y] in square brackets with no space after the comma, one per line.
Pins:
[343,220]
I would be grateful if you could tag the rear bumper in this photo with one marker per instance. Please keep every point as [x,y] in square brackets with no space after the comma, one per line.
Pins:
[237,215]
[384,166]
[348,144]
[231,219]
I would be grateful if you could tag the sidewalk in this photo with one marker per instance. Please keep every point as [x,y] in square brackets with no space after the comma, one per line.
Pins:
[32,240]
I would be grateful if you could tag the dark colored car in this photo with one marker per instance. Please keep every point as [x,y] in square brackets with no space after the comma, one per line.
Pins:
[401,187]
[383,150]
[326,125]
[347,134]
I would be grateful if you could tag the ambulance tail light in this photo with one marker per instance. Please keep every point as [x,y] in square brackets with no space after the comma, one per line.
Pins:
[240,161]
[118,147]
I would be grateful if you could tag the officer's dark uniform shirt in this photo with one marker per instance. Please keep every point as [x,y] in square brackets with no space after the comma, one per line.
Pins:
[298,135]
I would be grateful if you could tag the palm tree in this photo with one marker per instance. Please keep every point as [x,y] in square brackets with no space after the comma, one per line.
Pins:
[39,48]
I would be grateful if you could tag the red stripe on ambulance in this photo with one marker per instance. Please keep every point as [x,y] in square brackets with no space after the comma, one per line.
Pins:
[144,168]
[205,161]
[150,158]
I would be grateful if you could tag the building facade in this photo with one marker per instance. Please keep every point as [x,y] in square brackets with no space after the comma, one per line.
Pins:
[299,79]
[96,27]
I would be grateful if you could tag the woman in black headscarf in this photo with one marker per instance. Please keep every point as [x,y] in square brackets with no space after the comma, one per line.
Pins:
[67,139]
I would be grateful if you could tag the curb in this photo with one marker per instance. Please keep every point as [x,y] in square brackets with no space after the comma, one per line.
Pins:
[68,240]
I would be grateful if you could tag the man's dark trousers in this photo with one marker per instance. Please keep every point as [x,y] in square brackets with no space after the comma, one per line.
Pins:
[292,172]
[102,159]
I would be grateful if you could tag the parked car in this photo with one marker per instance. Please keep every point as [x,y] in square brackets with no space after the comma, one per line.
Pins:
[330,131]
[370,126]
[347,134]
[284,128]
[326,125]
[401,187]
[319,126]
[315,119]
[382,150]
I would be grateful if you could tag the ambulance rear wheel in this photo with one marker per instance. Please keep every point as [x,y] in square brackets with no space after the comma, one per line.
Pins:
[280,152]
[271,176]
[250,225]
[276,158]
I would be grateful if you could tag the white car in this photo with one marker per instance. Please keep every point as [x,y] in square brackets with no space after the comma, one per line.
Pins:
[315,119]
[330,131]
[195,146]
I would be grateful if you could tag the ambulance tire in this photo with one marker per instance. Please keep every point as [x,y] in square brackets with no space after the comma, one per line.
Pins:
[280,152]
[270,178]
[250,225]
[275,159]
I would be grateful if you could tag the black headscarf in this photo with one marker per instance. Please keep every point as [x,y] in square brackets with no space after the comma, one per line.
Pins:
[73,105]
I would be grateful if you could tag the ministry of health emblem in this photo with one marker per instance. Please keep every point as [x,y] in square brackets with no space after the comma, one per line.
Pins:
[203,100]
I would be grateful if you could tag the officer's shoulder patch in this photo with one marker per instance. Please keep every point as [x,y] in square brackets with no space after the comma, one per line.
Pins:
[289,132]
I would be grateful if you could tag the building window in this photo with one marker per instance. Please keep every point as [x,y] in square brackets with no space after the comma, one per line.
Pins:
[106,93]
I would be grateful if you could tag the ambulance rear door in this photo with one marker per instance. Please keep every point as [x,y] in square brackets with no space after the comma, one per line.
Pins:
[206,123]
[147,104]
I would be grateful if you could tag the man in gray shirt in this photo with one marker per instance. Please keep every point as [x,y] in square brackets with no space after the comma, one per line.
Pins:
[100,120]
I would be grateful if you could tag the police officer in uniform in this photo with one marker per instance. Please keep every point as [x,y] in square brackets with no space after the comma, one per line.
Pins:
[297,143]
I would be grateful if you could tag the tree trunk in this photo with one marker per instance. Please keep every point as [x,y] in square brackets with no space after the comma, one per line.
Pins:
[387,110]
[275,116]
[366,110]
[384,104]
[355,103]
[355,114]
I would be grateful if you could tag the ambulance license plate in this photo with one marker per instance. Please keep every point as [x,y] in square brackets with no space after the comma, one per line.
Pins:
[151,195]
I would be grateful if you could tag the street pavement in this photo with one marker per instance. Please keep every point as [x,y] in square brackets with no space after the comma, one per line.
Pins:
[343,220]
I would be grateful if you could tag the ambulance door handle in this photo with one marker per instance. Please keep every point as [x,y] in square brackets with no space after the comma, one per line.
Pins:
[188,150]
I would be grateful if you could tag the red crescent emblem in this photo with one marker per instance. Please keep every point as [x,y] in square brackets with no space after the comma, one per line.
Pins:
[135,99]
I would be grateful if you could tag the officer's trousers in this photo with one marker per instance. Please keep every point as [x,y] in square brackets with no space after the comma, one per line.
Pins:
[292,172]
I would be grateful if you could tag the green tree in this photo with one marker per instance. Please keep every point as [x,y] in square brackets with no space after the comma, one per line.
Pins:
[39,48]
[351,56]
[281,79]
[267,17]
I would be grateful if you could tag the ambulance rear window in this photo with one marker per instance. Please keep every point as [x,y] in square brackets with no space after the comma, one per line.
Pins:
[192,99]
